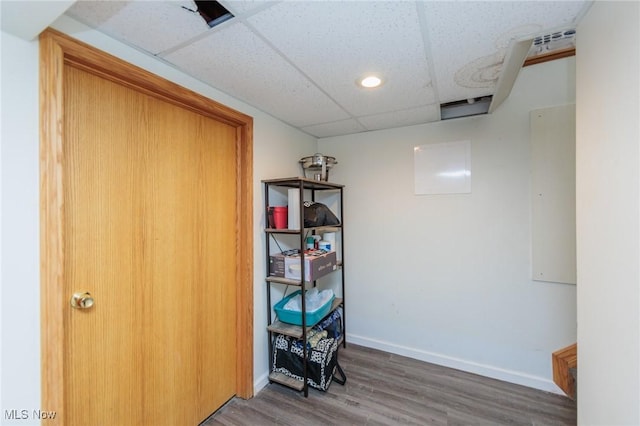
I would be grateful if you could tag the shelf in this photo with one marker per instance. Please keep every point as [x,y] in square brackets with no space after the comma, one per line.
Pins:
[307,187]
[288,281]
[294,182]
[285,281]
[334,228]
[295,330]
[286,380]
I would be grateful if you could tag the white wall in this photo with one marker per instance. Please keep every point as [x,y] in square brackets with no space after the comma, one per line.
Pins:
[447,278]
[608,214]
[20,302]
[277,149]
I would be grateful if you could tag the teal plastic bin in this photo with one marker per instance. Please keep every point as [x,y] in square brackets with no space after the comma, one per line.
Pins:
[295,317]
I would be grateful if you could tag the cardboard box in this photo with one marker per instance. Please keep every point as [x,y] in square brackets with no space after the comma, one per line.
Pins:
[315,266]
[276,265]
[276,262]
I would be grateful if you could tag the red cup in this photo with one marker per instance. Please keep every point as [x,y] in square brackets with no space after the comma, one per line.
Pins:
[279,217]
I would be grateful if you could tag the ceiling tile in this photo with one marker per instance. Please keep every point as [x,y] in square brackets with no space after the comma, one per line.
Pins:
[243,7]
[236,62]
[469,40]
[153,26]
[326,130]
[299,60]
[335,43]
[421,115]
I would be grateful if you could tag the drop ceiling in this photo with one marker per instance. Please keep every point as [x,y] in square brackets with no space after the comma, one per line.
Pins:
[299,60]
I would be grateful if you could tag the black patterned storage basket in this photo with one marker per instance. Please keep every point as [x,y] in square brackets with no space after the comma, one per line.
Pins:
[322,360]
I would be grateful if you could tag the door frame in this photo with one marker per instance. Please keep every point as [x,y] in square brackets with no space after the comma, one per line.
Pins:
[56,51]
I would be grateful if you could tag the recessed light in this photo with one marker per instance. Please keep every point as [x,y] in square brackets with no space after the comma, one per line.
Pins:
[370,81]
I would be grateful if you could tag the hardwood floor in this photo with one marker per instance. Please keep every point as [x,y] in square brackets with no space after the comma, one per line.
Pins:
[387,389]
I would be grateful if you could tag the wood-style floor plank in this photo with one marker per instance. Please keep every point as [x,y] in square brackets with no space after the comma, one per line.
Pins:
[388,389]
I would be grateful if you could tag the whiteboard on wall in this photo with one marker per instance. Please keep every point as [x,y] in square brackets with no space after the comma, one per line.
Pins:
[442,168]
[553,183]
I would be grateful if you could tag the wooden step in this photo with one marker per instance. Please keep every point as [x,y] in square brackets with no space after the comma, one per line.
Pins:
[563,360]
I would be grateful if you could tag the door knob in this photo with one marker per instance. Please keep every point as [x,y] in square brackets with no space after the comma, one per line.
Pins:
[81,300]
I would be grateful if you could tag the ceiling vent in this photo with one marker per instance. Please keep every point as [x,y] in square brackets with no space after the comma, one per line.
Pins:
[553,42]
[213,12]
[465,108]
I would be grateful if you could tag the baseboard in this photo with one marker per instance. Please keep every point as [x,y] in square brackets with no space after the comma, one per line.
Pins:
[261,382]
[493,372]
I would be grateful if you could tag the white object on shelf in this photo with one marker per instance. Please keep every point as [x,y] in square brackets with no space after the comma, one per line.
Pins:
[294,209]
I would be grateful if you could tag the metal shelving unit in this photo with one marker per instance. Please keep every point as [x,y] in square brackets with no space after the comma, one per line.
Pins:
[275,326]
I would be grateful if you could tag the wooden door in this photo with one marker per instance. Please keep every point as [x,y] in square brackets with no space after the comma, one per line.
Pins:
[150,208]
